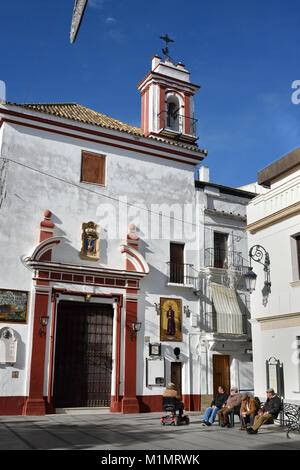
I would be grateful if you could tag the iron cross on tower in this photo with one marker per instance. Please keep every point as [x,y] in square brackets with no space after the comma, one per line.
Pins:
[167,40]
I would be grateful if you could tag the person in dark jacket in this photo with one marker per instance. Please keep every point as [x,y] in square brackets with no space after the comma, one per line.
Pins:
[216,404]
[270,410]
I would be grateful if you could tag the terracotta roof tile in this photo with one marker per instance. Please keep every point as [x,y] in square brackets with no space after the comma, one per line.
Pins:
[76,112]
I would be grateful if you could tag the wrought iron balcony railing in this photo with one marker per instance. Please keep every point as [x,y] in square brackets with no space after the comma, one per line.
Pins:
[217,258]
[180,273]
[226,323]
[177,123]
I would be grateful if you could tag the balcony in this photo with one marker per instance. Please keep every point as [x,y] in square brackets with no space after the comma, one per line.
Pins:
[180,274]
[226,324]
[177,126]
[224,259]
[275,205]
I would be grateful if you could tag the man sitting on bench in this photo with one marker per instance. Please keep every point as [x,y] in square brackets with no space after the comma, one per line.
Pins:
[270,410]
[171,391]
[233,401]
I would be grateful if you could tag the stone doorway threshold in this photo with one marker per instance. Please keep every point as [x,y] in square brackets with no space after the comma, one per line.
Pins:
[82,411]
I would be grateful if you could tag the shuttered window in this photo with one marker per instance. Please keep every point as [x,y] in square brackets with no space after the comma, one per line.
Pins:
[93,167]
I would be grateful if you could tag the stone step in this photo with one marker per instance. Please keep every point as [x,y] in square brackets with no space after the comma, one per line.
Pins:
[84,410]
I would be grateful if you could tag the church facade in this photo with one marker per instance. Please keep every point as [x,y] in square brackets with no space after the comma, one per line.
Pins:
[100,240]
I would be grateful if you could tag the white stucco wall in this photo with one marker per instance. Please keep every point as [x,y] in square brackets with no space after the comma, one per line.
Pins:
[139,180]
[279,340]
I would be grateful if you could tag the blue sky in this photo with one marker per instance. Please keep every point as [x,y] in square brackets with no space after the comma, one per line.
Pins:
[244,54]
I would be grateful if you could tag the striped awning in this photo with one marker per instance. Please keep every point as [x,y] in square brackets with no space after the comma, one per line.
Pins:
[228,314]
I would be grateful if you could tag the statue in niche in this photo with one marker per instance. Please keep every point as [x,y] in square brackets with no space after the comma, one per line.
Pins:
[90,242]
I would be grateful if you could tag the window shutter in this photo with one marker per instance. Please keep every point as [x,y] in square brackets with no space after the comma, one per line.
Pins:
[93,168]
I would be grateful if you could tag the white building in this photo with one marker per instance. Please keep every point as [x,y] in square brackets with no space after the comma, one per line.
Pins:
[225,331]
[273,224]
[100,237]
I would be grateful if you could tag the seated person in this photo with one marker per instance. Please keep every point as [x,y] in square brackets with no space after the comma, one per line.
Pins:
[216,404]
[249,410]
[232,401]
[270,410]
[171,391]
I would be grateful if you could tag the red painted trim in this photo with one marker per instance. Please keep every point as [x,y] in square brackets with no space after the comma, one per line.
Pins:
[51,353]
[111,144]
[91,132]
[104,272]
[115,400]
[147,404]
[153,403]
[147,112]
[35,403]
[143,113]
[129,265]
[129,401]
[12,406]
[187,113]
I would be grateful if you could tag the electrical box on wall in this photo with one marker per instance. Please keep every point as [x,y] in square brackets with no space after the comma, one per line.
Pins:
[8,346]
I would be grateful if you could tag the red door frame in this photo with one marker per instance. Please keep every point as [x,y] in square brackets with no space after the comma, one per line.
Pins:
[115,404]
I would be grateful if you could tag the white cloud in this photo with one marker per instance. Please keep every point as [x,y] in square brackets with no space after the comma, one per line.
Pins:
[110,20]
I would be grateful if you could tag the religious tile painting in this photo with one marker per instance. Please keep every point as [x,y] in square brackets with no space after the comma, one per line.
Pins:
[13,306]
[170,319]
[90,242]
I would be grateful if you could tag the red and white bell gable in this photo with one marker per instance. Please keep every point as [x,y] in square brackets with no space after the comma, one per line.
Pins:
[168,83]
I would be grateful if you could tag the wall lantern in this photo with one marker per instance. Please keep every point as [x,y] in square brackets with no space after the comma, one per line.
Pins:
[250,278]
[43,322]
[135,328]
[260,255]
[157,308]
[187,311]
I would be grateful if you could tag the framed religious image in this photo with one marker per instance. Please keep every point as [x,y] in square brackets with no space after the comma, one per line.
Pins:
[13,306]
[90,242]
[154,349]
[170,319]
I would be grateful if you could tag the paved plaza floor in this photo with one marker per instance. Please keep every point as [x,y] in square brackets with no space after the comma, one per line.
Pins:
[118,432]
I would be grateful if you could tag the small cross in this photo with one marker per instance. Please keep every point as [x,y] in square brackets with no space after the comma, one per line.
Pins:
[167,40]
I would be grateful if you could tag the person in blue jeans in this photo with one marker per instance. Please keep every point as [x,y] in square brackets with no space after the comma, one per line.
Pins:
[216,404]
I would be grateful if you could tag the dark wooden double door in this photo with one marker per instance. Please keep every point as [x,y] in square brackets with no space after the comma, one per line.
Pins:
[83,355]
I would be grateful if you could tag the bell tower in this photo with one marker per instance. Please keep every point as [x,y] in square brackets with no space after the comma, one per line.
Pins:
[168,101]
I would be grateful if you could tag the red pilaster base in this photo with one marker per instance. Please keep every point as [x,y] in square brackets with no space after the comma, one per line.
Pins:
[130,405]
[116,406]
[34,407]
